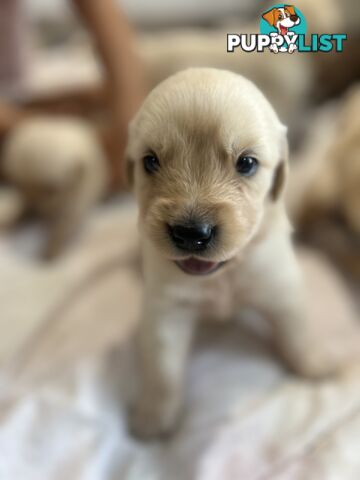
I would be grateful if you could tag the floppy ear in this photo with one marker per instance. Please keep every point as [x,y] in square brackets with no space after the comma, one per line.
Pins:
[290,9]
[270,17]
[281,171]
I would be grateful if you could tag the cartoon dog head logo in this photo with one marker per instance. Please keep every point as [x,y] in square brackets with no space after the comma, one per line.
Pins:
[281,19]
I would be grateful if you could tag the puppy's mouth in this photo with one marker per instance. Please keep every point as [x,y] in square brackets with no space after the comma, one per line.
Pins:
[283,30]
[194,266]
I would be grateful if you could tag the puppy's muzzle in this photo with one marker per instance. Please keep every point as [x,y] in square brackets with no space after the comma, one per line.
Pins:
[192,237]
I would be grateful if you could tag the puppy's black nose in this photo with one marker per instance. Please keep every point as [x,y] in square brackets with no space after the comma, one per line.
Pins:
[191,237]
[294,18]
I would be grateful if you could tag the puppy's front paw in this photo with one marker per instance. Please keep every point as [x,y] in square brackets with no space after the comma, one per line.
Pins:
[314,365]
[322,360]
[147,420]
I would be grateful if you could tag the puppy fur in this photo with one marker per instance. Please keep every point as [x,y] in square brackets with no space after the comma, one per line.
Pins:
[59,168]
[198,122]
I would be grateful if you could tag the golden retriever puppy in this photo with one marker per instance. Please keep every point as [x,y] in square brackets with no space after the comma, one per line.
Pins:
[207,156]
[58,166]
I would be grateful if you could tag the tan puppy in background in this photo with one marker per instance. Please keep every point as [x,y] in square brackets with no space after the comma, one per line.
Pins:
[325,180]
[60,169]
[207,156]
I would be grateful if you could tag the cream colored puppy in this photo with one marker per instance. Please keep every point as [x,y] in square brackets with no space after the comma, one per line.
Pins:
[60,169]
[208,158]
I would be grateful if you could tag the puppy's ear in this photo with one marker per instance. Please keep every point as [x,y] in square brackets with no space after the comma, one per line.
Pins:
[281,171]
[290,9]
[270,17]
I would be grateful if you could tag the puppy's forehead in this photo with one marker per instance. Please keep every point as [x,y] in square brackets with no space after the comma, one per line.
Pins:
[206,106]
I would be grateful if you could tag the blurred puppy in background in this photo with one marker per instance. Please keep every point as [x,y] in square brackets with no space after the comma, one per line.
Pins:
[324,193]
[59,167]
[207,156]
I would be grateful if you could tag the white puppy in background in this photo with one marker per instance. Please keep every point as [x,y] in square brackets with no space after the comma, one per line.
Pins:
[60,169]
[207,156]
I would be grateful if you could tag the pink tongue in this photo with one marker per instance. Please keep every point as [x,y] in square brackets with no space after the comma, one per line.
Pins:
[195,266]
[283,30]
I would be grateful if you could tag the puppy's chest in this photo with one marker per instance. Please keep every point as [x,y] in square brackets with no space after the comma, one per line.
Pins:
[222,298]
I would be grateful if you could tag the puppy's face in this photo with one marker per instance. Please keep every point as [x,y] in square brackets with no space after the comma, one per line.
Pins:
[207,152]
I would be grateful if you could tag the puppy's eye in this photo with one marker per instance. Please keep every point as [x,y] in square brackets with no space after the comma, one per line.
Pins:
[246,165]
[151,163]
[280,17]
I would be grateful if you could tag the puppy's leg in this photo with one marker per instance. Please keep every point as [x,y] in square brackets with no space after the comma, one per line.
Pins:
[314,333]
[162,348]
